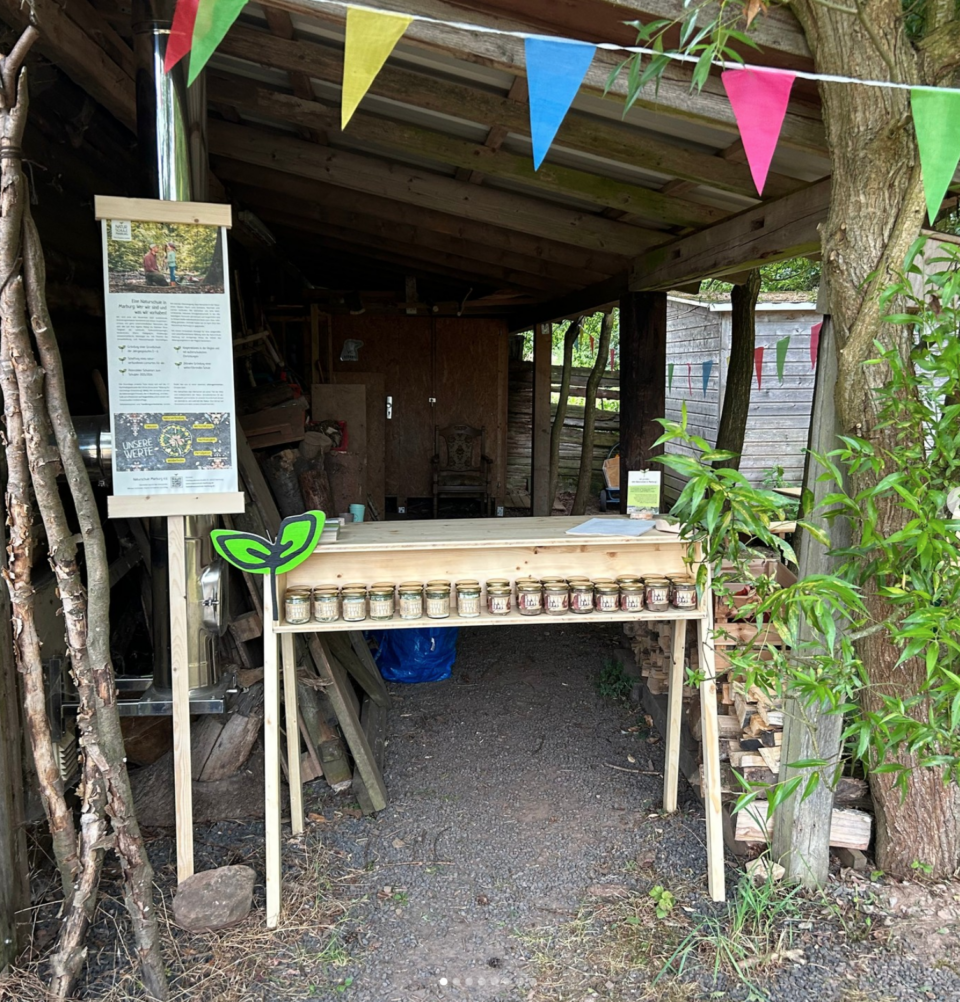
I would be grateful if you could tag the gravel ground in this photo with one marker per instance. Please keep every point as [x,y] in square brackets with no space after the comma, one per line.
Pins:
[513,863]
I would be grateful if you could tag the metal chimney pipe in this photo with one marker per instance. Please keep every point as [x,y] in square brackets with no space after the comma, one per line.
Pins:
[171,129]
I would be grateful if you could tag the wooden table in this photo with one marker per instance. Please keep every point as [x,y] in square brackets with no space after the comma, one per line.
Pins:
[479,549]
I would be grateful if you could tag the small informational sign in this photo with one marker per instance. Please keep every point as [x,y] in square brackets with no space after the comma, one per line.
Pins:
[643,492]
[169,350]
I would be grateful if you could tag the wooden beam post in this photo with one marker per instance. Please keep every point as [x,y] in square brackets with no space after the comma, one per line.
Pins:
[801,828]
[540,501]
[643,366]
[14,880]
[180,672]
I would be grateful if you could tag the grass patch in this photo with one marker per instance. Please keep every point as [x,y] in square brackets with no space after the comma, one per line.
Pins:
[614,683]
[305,955]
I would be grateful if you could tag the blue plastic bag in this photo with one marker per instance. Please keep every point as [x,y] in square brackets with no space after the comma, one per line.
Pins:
[422,654]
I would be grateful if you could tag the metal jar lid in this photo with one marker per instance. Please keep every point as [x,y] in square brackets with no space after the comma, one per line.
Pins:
[409,586]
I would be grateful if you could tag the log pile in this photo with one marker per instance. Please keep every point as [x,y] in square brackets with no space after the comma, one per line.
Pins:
[750,720]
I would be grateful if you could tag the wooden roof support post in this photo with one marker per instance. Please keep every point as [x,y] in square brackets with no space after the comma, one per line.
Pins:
[541,502]
[14,869]
[643,377]
[801,830]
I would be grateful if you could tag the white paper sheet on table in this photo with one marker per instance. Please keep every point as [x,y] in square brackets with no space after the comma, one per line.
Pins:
[611,527]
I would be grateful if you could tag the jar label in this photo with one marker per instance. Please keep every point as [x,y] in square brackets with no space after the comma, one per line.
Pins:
[530,601]
[685,598]
[381,608]
[499,605]
[411,606]
[581,601]
[326,609]
[631,602]
[468,605]
[438,608]
[354,609]
[557,601]
[607,602]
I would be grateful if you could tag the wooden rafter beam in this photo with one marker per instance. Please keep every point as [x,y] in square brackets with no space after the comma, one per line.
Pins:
[421,143]
[404,254]
[281,24]
[772,232]
[418,187]
[447,97]
[78,54]
[315,195]
[572,304]
[372,226]
[802,127]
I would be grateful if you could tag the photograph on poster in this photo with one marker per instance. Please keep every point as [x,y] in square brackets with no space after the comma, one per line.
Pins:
[164,257]
[172,441]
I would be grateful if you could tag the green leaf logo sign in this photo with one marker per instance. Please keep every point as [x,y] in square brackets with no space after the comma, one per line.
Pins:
[296,540]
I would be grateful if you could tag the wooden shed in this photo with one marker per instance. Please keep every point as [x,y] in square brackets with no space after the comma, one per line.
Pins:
[699,335]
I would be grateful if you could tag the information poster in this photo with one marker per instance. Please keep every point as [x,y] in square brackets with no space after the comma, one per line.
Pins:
[170,353]
[643,492]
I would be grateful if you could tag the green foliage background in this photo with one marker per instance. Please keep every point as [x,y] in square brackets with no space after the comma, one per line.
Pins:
[195,247]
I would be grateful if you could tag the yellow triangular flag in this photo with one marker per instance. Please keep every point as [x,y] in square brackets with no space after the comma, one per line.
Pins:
[371,36]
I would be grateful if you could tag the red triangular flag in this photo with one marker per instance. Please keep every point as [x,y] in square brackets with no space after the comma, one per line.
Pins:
[613,358]
[591,344]
[759,99]
[758,365]
[815,343]
[181,33]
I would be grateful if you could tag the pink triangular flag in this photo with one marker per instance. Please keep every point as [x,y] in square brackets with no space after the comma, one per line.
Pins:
[815,343]
[759,99]
[758,365]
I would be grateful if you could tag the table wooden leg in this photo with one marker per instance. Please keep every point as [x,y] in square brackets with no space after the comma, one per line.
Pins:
[180,682]
[671,769]
[293,731]
[271,749]
[710,734]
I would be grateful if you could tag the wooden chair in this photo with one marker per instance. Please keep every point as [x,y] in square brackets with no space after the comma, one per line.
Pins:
[461,467]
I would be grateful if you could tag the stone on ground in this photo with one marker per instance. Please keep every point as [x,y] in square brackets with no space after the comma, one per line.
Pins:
[214,899]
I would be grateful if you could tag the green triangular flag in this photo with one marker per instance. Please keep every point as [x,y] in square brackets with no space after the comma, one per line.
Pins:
[782,345]
[936,118]
[670,377]
[214,19]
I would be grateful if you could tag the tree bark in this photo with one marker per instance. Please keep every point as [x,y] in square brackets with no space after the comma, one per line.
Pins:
[736,395]
[105,778]
[585,475]
[876,212]
[556,432]
[21,512]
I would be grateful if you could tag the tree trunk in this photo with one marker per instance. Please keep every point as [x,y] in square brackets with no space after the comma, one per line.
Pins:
[585,475]
[876,211]
[556,432]
[736,395]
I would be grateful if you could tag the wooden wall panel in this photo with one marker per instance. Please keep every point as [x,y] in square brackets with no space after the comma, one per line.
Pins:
[460,362]
[376,430]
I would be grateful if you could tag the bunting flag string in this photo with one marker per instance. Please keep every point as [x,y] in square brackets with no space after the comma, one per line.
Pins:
[936,115]
[369,40]
[759,100]
[815,343]
[782,346]
[181,33]
[670,377]
[212,21]
[707,369]
[758,365]
[555,70]
[556,67]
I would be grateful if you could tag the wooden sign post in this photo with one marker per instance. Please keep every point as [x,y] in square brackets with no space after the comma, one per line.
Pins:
[172,412]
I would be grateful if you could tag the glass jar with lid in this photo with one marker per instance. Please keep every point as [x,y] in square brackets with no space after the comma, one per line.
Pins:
[297,606]
[468,599]
[499,598]
[326,604]
[529,597]
[411,599]
[437,599]
[607,596]
[631,597]
[684,593]
[581,597]
[382,601]
[657,594]
[556,598]
[354,604]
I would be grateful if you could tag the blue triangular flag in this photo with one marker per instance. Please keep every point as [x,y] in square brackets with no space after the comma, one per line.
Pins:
[707,369]
[555,70]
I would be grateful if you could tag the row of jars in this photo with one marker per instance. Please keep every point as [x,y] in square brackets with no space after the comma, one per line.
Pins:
[554,596]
